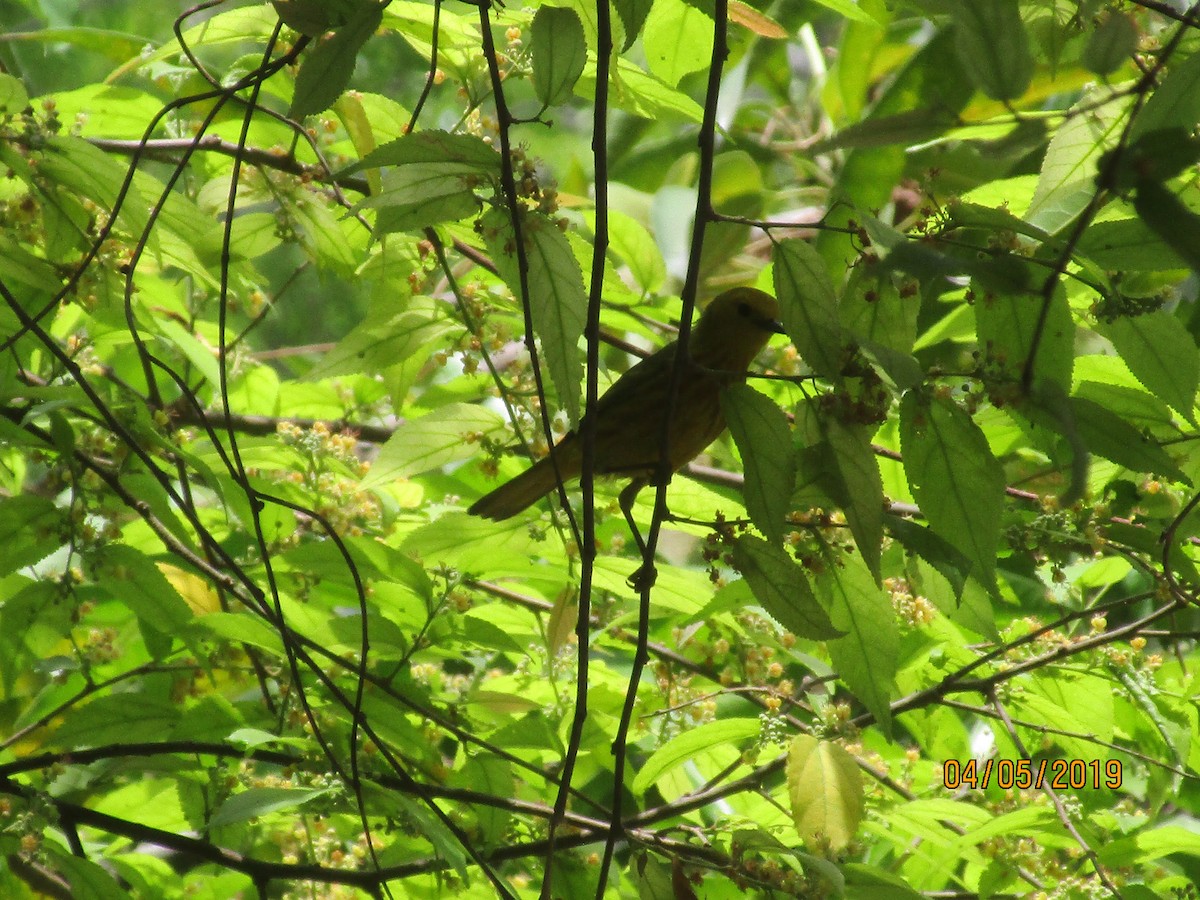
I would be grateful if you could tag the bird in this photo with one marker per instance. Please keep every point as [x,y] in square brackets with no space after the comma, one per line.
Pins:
[732,330]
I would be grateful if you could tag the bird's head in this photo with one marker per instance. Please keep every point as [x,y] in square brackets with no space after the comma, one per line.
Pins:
[734,327]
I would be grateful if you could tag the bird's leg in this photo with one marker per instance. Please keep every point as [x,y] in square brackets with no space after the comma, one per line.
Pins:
[646,574]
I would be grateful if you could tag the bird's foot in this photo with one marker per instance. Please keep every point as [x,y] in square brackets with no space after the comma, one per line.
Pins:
[643,579]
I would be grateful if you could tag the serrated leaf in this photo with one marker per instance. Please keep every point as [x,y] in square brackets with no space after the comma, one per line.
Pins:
[955,479]
[781,588]
[826,791]
[866,658]
[808,305]
[326,69]
[136,581]
[633,16]
[262,801]
[641,93]
[1007,324]
[862,499]
[993,46]
[760,430]
[445,435]
[382,340]
[433,178]
[1105,433]
[688,744]
[873,308]
[557,299]
[125,717]
[1161,354]
[559,53]
[1066,182]
[29,531]
[463,154]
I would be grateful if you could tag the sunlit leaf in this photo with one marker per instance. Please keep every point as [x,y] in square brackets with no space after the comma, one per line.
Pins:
[826,791]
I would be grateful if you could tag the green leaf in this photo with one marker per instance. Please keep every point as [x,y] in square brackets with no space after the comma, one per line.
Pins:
[1007,324]
[557,299]
[760,430]
[862,488]
[315,17]
[688,744]
[133,579]
[13,97]
[1150,844]
[633,16]
[1161,354]
[866,658]
[487,774]
[445,435]
[239,628]
[1111,44]
[1067,180]
[29,531]
[850,10]
[635,246]
[1174,104]
[461,154]
[1171,220]
[874,309]
[678,40]
[85,880]
[559,53]
[641,93]
[955,479]
[780,586]
[126,717]
[202,356]
[870,883]
[1110,436]
[262,801]
[826,792]
[383,339]
[808,305]
[326,69]
[416,196]
[1128,244]
[993,46]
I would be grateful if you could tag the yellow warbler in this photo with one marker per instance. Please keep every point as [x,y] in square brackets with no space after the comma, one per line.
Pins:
[733,329]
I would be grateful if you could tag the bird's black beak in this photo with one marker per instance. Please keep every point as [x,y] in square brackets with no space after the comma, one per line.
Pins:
[773,325]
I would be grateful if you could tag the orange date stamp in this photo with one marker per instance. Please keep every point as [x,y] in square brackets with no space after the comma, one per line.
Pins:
[1022,774]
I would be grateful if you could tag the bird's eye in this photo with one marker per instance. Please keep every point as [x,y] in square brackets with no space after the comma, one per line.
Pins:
[743,309]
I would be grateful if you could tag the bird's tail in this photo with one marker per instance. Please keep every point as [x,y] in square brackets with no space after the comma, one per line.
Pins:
[517,494]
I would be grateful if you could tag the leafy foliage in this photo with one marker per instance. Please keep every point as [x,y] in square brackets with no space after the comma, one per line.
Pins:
[285,286]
